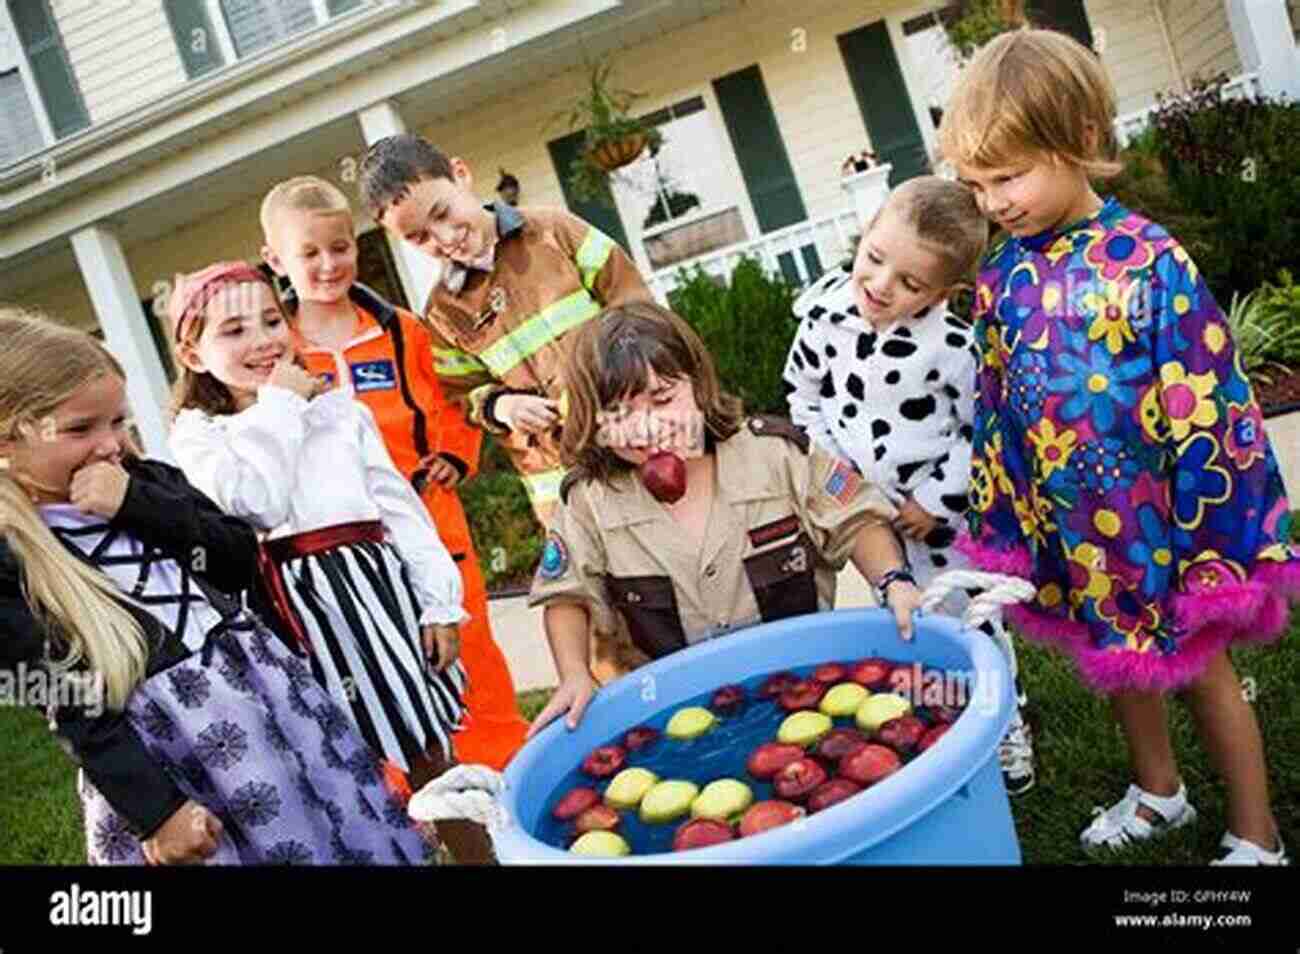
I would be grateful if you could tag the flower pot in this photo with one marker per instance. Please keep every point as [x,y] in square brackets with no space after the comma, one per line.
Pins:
[615,153]
[868,190]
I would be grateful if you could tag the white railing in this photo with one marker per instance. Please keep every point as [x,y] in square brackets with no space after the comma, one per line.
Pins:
[832,237]
[1131,125]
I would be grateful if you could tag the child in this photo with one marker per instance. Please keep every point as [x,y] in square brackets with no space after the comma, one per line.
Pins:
[1120,459]
[765,522]
[515,283]
[882,374]
[359,574]
[200,738]
[383,356]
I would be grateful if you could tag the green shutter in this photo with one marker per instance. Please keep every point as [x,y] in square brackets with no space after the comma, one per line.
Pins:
[883,101]
[759,149]
[195,39]
[44,48]
[563,152]
[337,7]
[1067,16]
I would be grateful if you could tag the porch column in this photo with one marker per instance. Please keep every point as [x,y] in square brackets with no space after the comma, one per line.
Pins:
[1266,45]
[417,271]
[126,332]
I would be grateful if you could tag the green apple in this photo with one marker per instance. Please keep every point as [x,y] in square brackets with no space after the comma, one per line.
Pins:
[804,728]
[843,700]
[722,800]
[690,723]
[668,801]
[601,844]
[879,709]
[628,787]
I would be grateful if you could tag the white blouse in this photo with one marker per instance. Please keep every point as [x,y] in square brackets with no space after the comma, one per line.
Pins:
[288,465]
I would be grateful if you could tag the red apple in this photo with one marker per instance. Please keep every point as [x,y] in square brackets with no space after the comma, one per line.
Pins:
[798,779]
[872,672]
[832,792]
[770,814]
[870,764]
[932,735]
[803,695]
[701,833]
[776,684]
[840,742]
[639,737]
[664,475]
[943,715]
[728,700]
[598,818]
[604,761]
[770,757]
[906,680]
[575,802]
[829,674]
[902,734]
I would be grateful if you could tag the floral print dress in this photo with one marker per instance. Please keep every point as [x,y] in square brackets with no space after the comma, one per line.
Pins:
[1120,459]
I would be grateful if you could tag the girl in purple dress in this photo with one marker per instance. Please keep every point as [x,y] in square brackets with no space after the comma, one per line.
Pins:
[201,738]
[1120,459]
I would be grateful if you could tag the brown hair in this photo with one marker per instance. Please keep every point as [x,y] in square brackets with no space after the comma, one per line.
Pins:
[1032,92]
[392,165]
[608,359]
[302,194]
[945,216]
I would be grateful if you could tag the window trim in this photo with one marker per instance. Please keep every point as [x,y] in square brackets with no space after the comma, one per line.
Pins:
[34,97]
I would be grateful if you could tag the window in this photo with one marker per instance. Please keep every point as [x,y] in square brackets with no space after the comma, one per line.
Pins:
[19,132]
[39,98]
[927,43]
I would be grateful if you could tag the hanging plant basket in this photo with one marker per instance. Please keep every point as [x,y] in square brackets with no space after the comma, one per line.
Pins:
[615,153]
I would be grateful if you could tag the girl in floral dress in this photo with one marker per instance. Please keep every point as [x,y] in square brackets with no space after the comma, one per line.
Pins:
[1120,460]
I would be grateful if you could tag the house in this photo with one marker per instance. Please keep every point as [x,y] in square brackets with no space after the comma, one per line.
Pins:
[138,136]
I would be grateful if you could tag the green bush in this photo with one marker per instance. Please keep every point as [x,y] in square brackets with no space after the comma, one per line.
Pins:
[1263,338]
[1279,307]
[506,534]
[747,325]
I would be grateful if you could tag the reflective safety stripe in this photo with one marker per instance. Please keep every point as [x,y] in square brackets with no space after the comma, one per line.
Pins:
[543,487]
[451,363]
[540,330]
[593,254]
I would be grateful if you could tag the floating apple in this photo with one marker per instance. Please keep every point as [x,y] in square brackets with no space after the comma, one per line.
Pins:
[871,673]
[798,779]
[870,764]
[932,735]
[774,685]
[667,801]
[722,800]
[574,803]
[804,694]
[604,761]
[804,728]
[876,710]
[831,793]
[601,844]
[728,700]
[843,700]
[597,818]
[664,475]
[942,715]
[769,814]
[902,734]
[770,757]
[690,723]
[701,833]
[640,737]
[906,680]
[828,674]
[839,743]
[629,786]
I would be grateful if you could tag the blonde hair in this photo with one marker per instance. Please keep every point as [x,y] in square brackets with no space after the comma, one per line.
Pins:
[42,365]
[1032,92]
[302,194]
[946,218]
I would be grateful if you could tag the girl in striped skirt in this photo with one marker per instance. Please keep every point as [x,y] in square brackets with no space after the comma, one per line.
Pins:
[353,568]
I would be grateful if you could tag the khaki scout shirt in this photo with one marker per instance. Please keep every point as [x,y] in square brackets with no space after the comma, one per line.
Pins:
[783,523]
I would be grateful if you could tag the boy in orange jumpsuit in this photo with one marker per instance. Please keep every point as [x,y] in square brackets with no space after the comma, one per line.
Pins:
[383,354]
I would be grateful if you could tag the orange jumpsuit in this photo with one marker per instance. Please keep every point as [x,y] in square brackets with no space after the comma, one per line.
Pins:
[388,364]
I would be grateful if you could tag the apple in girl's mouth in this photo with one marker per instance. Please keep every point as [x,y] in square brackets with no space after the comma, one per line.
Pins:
[664,475]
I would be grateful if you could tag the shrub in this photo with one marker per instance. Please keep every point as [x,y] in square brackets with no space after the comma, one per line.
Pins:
[1262,336]
[1279,307]
[506,535]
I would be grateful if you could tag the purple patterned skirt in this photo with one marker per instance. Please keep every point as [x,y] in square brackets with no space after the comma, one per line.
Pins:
[250,735]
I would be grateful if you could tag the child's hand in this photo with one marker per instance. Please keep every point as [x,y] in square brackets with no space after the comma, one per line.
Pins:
[904,599]
[99,488]
[573,696]
[289,376]
[439,471]
[527,413]
[914,520]
[441,645]
[186,838]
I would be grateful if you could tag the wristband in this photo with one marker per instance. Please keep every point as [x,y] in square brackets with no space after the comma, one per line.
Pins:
[893,576]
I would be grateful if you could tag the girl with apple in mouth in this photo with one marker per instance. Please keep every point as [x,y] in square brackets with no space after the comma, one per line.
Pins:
[681,519]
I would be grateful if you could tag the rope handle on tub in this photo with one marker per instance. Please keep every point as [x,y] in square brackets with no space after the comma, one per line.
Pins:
[994,592]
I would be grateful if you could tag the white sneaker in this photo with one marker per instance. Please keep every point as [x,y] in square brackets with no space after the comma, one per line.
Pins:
[1120,825]
[1016,756]
[1243,852]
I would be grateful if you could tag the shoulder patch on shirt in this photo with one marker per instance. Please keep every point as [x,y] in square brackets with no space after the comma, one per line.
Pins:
[555,558]
[843,482]
[374,376]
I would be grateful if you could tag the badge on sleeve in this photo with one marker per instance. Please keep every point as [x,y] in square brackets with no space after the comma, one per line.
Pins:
[555,558]
[843,482]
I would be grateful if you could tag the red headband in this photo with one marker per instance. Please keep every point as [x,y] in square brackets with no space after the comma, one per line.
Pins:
[193,292]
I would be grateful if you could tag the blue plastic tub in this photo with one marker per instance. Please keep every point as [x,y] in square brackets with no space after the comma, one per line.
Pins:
[948,807]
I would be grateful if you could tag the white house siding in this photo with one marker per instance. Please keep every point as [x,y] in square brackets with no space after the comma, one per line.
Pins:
[1132,49]
[1202,38]
[122,53]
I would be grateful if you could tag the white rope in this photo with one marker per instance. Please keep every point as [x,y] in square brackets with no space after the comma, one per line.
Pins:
[996,591]
[465,791]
